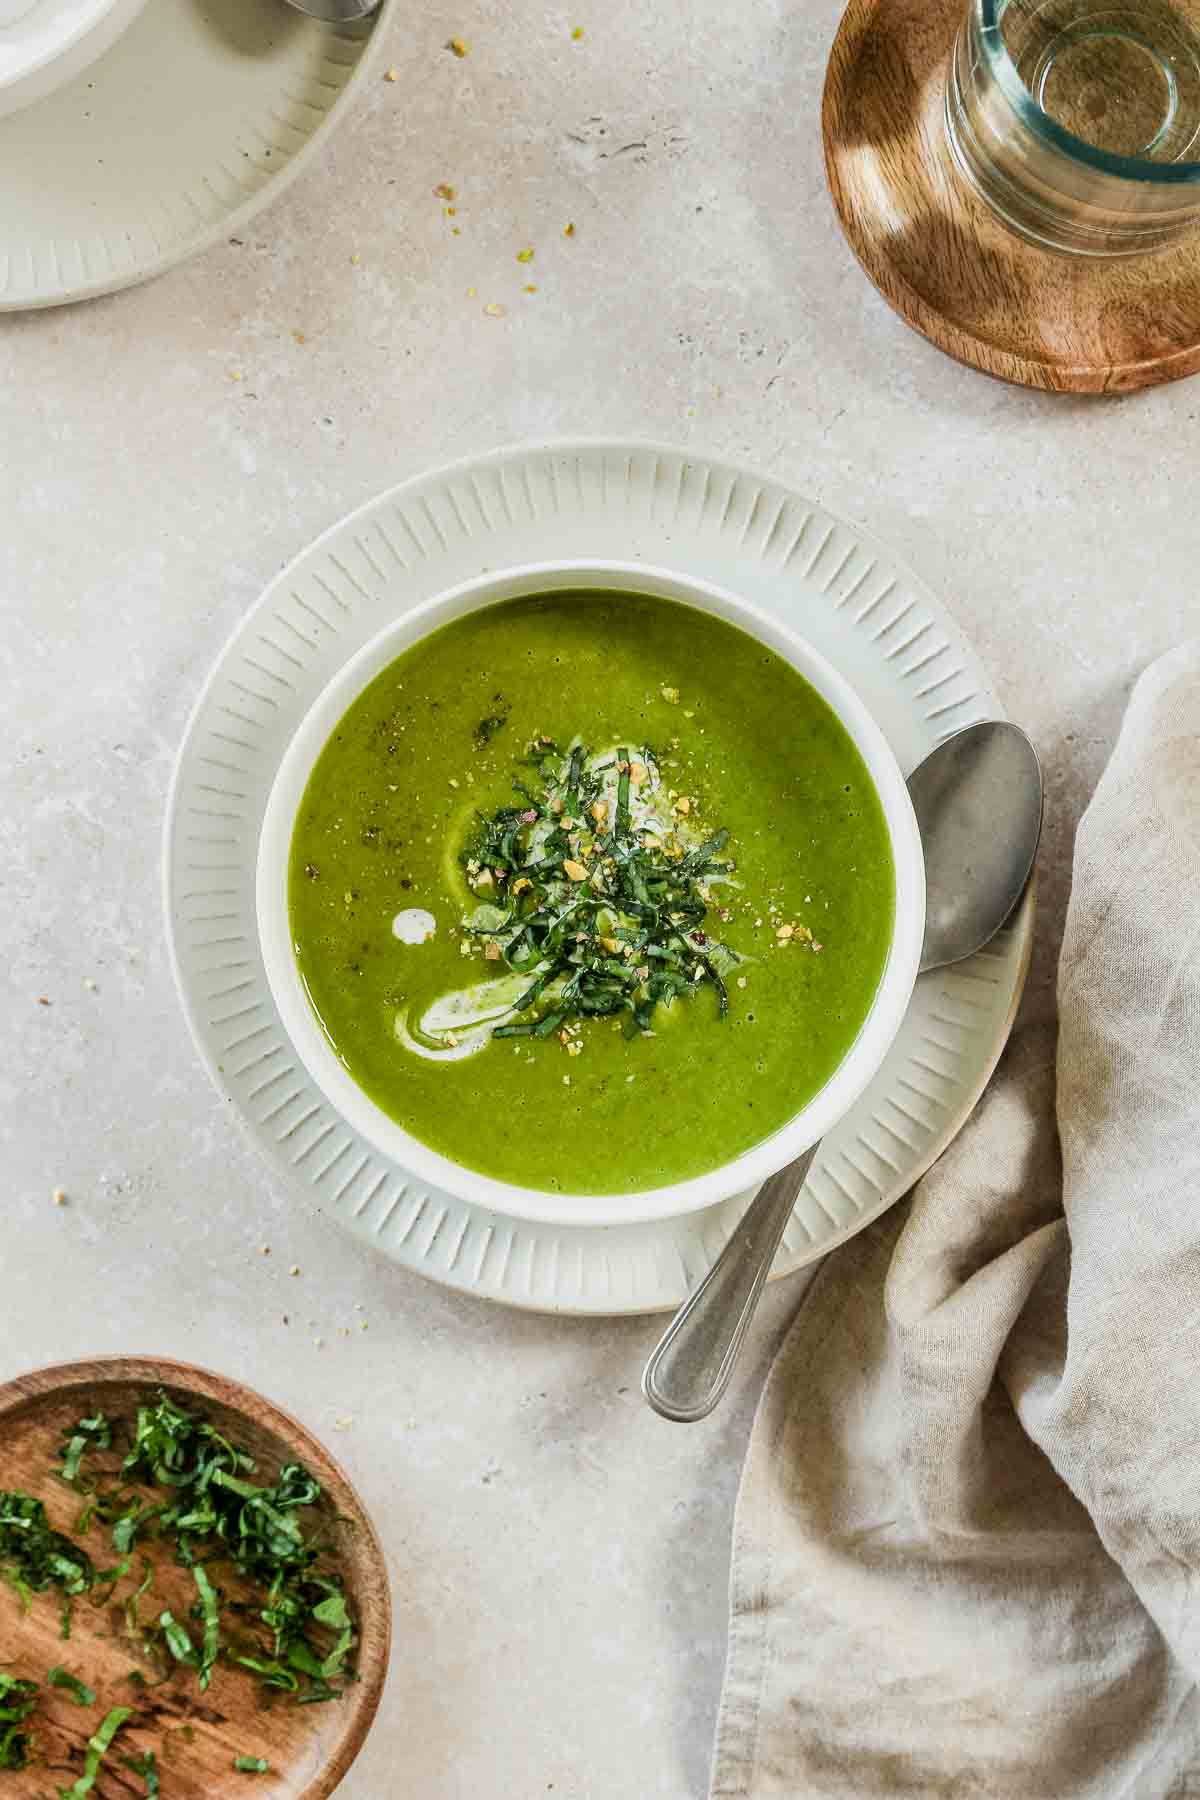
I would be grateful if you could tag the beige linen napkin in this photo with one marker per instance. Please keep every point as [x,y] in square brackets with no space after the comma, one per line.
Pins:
[967,1549]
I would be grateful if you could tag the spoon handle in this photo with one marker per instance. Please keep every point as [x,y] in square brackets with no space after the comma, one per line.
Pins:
[689,1370]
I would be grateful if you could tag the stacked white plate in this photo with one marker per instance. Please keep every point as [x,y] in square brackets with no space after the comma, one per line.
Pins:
[610,502]
[199,114]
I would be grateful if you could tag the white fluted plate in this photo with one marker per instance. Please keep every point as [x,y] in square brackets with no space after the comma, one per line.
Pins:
[849,597]
[201,113]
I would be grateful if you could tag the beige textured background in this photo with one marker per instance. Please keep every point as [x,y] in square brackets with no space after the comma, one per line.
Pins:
[559,1555]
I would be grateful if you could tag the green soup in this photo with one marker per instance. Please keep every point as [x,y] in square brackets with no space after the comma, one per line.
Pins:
[715,794]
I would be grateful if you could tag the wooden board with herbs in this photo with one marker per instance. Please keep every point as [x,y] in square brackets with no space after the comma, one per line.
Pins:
[193,1602]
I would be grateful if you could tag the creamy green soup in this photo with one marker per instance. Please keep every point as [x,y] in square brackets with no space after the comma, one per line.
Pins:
[639,960]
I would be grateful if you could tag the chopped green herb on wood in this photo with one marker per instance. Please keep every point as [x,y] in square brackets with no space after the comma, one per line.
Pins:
[79,1691]
[99,1745]
[252,1765]
[147,1767]
[34,1557]
[89,1434]
[17,1700]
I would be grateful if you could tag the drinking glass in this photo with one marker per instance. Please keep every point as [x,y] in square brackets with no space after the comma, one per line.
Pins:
[1078,121]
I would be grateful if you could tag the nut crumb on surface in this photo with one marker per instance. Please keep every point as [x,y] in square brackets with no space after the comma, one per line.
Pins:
[494,310]
[458,47]
[59,1197]
[569,230]
[391,74]
[295,1269]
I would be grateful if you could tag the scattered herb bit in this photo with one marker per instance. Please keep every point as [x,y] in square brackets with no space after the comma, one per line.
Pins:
[487,728]
[98,1748]
[210,1608]
[599,900]
[90,1434]
[147,1767]
[35,1557]
[178,1639]
[17,1701]
[79,1691]
[252,1765]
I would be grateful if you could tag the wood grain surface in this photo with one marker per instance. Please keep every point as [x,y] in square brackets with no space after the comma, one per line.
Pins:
[195,1736]
[950,269]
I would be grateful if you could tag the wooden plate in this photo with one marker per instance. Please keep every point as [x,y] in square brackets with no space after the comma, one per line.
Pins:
[949,268]
[194,1736]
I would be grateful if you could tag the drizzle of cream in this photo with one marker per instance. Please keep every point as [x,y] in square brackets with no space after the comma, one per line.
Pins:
[460,1023]
[414,925]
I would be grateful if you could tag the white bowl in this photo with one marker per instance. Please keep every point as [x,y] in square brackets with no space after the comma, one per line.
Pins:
[812,1122]
[46,43]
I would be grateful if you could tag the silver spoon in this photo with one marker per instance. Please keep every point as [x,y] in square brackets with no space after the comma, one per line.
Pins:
[978,801]
[336,12]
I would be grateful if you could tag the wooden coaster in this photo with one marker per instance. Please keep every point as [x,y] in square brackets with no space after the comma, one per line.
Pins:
[936,254]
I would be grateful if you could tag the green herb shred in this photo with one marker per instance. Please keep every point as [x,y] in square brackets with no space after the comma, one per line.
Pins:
[252,1765]
[17,1700]
[35,1557]
[98,1748]
[89,1434]
[147,1767]
[79,1691]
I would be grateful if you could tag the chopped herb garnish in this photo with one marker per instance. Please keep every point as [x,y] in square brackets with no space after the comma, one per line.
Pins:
[252,1765]
[17,1701]
[90,1434]
[35,1557]
[214,1512]
[147,1767]
[79,1691]
[98,1748]
[598,897]
[210,1610]
[177,1640]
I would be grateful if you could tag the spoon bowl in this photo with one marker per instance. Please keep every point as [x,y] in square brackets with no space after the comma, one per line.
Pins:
[978,799]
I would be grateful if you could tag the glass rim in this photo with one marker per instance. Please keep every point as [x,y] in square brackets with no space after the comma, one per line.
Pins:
[1038,121]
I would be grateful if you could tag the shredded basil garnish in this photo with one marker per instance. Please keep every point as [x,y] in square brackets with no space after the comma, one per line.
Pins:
[98,1748]
[35,1557]
[89,1434]
[605,915]
[17,1701]
[252,1765]
[79,1691]
[147,1767]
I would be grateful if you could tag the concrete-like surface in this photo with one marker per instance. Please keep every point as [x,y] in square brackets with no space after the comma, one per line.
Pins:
[559,1555]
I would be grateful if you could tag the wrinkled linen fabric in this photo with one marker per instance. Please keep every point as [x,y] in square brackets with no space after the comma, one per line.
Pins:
[967,1547]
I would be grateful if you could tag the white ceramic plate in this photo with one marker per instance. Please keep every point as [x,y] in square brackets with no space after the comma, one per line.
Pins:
[606,502]
[193,120]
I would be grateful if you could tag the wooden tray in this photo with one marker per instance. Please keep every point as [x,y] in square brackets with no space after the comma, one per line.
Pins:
[950,269]
[195,1736]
